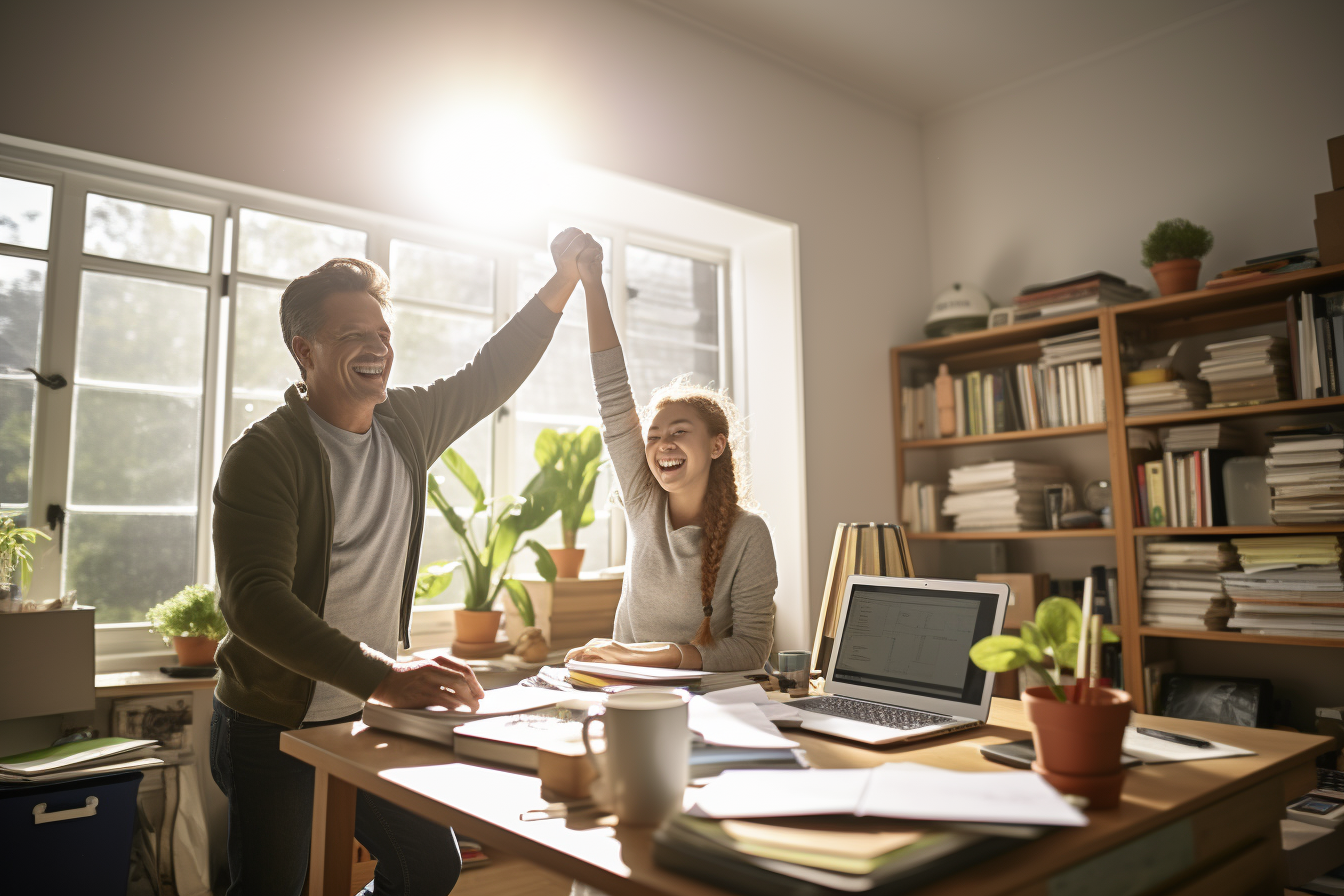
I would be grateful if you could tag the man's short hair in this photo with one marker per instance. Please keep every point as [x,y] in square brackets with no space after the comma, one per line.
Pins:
[301,303]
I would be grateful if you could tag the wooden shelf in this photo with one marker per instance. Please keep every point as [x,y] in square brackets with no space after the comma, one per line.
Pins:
[1318,529]
[1239,637]
[1304,406]
[1010,536]
[1015,436]
[998,337]
[1211,301]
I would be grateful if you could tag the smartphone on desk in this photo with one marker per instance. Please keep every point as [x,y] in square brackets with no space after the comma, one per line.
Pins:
[1022,753]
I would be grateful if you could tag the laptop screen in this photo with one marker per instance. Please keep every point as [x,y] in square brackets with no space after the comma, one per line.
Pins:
[914,641]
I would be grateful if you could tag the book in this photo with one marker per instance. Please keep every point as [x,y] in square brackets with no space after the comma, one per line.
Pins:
[80,755]
[437,724]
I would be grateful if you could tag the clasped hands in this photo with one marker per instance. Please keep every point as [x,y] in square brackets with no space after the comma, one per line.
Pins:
[577,255]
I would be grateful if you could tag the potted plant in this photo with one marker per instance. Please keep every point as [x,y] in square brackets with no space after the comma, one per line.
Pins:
[191,622]
[490,535]
[1172,253]
[15,554]
[569,463]
[1077,743]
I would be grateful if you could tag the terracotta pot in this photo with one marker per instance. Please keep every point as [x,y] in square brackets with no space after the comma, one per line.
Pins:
[477,626]
[1078,744]
[195,651]
[1181,275]
[568,562]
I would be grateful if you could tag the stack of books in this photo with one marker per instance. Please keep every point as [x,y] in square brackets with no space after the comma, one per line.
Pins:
[81,759]
[615,677]
[1184,586]
[1305,473]
[1247,371]
[473,855]
[1288,585]
[1185,487]
[1170,397]
[999,496]
[919,506]
[1316,343]
[1071,390]
[1282,263]
[1075,294]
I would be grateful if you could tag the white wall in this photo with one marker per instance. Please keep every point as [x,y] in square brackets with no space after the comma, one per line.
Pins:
[317,99]
[1223,122]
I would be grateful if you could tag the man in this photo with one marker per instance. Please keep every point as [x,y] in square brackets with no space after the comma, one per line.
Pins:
[319,512]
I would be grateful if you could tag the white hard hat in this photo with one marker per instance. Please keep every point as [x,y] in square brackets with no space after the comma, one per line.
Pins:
[958,309]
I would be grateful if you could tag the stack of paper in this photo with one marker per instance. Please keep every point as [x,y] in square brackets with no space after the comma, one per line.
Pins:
[1184,586]
[1247,371]
[101,756]
[1289,585]
[1000,496]
[1305,473]
[1165,398]
[1201,436]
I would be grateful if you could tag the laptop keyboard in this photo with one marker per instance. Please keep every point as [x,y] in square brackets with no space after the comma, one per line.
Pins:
[872,713]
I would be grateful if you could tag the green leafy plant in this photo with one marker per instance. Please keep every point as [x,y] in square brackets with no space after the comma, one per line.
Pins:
[1055,633]
[14,550]
[570,462]
[1176,239]
[191,613]
[490,535]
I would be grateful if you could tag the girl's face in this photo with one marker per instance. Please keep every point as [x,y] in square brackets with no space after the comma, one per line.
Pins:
[679,448]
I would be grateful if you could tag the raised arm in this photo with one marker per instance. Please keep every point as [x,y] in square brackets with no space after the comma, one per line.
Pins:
[601,330]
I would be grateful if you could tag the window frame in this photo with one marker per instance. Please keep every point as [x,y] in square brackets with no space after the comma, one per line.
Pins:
[72,177]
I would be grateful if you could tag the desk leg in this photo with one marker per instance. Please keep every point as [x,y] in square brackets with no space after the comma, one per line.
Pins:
[333,833]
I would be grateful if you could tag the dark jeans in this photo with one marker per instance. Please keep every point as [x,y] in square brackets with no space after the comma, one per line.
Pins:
[271,818]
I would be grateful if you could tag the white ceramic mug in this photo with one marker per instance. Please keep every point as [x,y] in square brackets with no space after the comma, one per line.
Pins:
[643,773]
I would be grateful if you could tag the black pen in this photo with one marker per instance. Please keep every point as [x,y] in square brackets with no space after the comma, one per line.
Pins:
[1174,738]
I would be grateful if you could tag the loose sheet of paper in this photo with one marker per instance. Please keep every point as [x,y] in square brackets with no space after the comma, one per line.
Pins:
[753,693]
[1154,750]
[894,790]
[735,725]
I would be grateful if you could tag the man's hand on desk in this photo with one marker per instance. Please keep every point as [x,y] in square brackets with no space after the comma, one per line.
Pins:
[442,681]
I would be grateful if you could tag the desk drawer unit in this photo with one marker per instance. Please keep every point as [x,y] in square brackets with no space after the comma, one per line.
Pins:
[69,837]
[1228,849]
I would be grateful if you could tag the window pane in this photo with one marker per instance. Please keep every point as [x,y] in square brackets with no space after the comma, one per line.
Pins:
[23,283]
[135,448]
[433,344]
[147,332]
[654,363]
[123,564]
[16,433]
[672,297]
[260,359]
[285,248]
[562,383]
[153,234]
[25,213]
[440,275]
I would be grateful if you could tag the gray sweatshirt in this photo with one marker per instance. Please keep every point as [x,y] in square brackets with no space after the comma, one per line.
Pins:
[660,597]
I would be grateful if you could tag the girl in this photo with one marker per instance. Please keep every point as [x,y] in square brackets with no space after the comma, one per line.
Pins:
[700,573]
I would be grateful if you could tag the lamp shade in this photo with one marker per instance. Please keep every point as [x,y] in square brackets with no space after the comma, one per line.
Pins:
[863,549]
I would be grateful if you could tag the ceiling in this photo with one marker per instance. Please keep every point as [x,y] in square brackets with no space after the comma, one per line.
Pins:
[921,56]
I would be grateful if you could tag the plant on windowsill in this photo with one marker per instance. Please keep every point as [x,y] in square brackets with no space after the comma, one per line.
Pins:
[569,462]
[490,535]
[1172,253]
[1077,744]
[15,554]
[191,622]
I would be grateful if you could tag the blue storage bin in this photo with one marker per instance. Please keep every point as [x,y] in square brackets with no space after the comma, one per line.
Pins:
[85,852]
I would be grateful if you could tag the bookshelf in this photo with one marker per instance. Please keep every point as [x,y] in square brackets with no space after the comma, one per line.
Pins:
[1155,320]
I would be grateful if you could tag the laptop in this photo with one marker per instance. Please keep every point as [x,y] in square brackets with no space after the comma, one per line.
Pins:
[899,670]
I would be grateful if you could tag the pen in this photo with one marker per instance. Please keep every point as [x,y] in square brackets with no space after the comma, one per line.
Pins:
[1174,738]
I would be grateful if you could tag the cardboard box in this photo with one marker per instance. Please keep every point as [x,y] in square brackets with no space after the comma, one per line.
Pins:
[1335,146]
[1025,591]
[1330,206]
[1330,240]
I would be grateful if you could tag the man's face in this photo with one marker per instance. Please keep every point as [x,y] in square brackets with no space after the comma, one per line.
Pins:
[349,359]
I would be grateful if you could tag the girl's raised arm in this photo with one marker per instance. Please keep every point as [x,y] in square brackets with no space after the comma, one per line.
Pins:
[601,330]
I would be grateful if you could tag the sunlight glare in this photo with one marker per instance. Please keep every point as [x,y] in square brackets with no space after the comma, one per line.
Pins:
[487,162]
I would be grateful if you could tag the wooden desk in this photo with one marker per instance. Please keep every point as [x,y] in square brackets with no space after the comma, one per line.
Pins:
[1240,798]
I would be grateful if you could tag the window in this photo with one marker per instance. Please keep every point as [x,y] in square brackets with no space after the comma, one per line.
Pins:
[164,316]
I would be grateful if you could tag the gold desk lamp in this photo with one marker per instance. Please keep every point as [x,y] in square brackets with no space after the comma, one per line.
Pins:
[865,549]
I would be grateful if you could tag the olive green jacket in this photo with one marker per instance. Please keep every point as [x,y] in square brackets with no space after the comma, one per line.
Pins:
[273,528]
